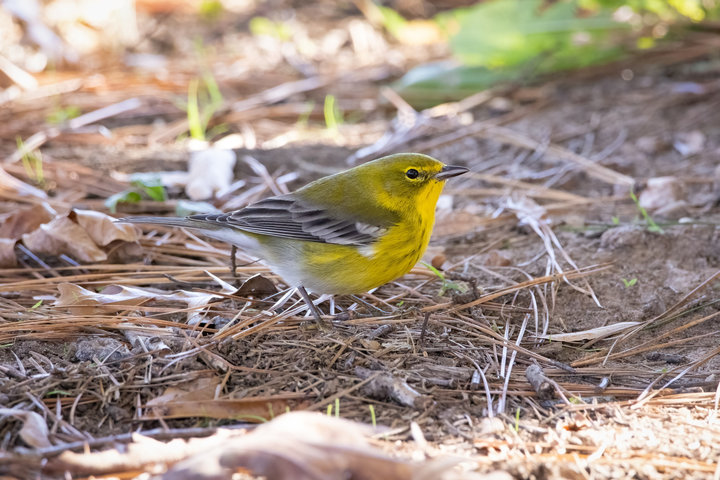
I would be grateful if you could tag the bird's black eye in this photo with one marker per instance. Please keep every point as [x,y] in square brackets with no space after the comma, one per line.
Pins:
[412,173]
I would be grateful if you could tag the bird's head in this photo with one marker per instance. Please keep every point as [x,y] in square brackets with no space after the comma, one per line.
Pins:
[411,179]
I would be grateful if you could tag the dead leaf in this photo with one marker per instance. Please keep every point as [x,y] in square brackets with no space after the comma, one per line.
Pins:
[84,302]
[124,252]
[196,398]
[255,409]
[34,431]
[257,286]
[24,220]
[101,227]
[298,446]
[7,253]
[293,446]
[62,235]
[202,388]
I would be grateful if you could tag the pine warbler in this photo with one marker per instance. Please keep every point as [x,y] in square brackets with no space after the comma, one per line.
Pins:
[342,234]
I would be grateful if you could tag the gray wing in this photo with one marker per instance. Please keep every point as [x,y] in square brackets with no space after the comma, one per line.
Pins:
[287,217]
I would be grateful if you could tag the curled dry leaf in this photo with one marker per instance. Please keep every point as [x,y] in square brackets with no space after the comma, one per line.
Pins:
[102,229]
[24,220]
[79,234]
[293,446]
[257,286]
[34,431]
[63,236]
[297,446]
[202,388]
[84,302]
[252,410]
[197,398]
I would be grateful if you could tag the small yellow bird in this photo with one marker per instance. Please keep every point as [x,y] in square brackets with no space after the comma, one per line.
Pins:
[342,234]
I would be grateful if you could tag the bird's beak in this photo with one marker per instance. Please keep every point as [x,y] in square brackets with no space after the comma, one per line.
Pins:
[450,171]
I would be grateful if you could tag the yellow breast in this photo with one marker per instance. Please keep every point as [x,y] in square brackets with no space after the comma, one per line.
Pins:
[346,269]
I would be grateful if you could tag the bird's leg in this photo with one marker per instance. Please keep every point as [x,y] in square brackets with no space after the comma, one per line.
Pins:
[313,308]
[233,260]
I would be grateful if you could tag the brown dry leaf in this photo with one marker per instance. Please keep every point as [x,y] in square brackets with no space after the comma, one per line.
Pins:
[82,301]
[197,399]
[257,286]
[298,446]
[24,220]
[101,227]
[7,253]
[62,235]
[293,446]
[255,409]
[79,234]
[202,388]
[34,431]
[143,451]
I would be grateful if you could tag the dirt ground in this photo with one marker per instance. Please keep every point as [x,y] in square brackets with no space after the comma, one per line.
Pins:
[550,193]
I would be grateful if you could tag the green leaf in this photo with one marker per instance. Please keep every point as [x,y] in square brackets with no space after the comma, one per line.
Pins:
[128,196]
[629,283]
[333,114]
[151,188]
[501,33]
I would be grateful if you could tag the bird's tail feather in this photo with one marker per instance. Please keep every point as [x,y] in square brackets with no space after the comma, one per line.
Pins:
[170,222]
[214,230]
